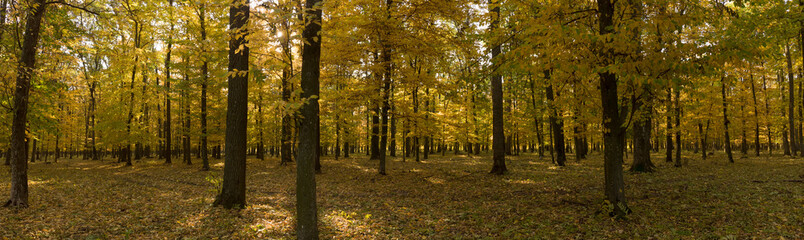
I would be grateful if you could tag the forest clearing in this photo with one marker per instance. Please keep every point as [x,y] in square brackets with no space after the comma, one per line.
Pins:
[449,197]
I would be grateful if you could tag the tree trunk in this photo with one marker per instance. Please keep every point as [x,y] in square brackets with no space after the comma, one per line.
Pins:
[25,69]
[744,142]
[726,119]
[785,141]
[756,115]
[34,150]
[137,36]
[767,115]
[701,138]
[306,209]
[204,81]
[186,141]
[168,154]
[614,132]
[642,131]
[375,133]
[669,142]
[791,89]
[536,123]
[678,127]
[556,124]
[233,192]
[498,141]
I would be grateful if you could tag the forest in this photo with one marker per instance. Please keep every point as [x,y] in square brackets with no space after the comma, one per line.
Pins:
[402,119]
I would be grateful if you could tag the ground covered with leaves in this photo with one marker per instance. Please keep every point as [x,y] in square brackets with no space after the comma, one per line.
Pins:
[445,197]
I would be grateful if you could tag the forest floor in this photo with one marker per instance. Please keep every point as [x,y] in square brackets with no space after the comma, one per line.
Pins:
[449,197]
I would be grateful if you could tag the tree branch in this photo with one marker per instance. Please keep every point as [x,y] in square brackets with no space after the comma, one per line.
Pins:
[83,7]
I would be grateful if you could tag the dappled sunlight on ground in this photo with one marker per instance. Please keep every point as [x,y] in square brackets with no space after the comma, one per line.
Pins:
[437,198]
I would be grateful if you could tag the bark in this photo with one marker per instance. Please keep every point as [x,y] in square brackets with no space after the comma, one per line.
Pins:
[702,138]
[556,124]
[498,141]
[393,119]
[785,141]
[25,69]
[614,132]
[669,142]
[375,133]
[260,137]
[186,141]
[204,82]
[286,142]
[34,150]
[415,146]
[346,147]
[386,91]
[168,154]
[756,115]
[793,145]
[642,132]
[678,127]
[744,143]
[767,115]
[137,37]
[536,123]
[306,209]
[726,120]
[233,192]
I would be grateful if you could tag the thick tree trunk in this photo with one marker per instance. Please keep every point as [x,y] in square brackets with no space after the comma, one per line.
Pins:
[233,192]
[642,132]
[25,70]
[614,132]
[306,209]
[204,82]
[498,141]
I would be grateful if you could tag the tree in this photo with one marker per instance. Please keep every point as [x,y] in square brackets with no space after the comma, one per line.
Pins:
[204,82]
[498,141]
[614,131]
[556,124]
[233,192]
[726,119]
[25,71]
[306,209]
[168,120]
[794,141]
